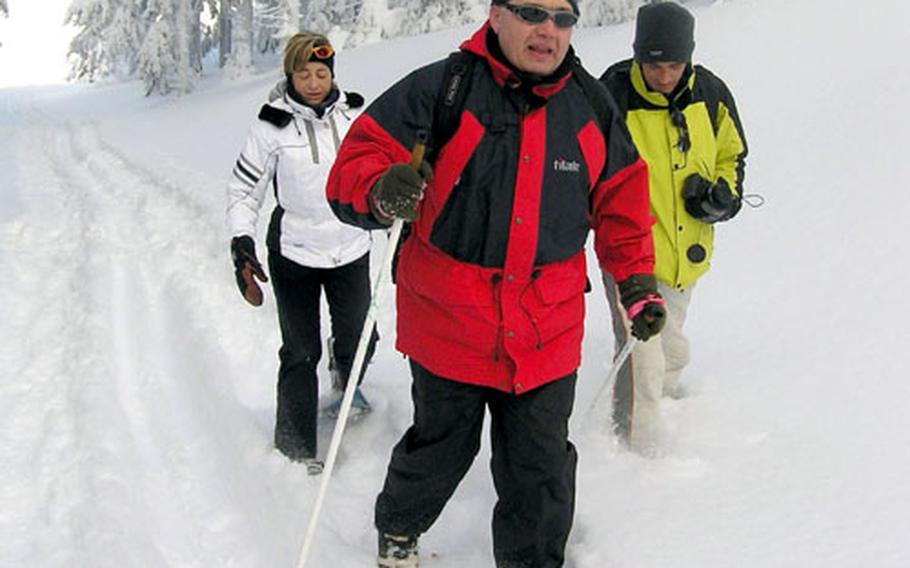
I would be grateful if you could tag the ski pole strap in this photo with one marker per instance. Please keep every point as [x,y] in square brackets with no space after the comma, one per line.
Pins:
[638,306]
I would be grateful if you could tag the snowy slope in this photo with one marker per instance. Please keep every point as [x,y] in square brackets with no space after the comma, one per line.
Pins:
[138,389]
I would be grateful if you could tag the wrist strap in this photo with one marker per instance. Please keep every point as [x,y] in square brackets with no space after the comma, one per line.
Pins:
[638,306]
[378,211]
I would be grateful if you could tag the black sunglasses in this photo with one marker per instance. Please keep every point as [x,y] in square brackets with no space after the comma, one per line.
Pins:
[679,121]
[538,15]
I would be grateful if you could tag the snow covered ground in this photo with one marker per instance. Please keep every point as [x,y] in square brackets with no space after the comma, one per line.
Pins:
[137,388]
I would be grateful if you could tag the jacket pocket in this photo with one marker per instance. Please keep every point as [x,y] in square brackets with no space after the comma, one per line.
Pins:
[555,301]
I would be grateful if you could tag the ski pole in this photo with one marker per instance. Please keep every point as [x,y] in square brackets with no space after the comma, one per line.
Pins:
[618,362]
[369,323]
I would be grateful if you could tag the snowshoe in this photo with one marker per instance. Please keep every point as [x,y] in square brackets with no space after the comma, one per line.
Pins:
[397,551]
[313,466]
[360,406]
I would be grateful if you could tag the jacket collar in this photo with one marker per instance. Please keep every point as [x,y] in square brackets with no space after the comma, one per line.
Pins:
[679,98]
[280,99]
[484,44]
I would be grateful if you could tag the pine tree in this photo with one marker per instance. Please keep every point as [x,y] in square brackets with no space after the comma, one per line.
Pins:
[221,34]
[110,34]
[240,61]
[165,63]
[292,20]
[335,18]
[368,27]
[156,57]
[163,42]
[430,15]
[275,22]
[194,31]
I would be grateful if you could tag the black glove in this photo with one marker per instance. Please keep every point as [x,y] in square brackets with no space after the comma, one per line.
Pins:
[396,194]
[710,203]
[246,266]
[638,295]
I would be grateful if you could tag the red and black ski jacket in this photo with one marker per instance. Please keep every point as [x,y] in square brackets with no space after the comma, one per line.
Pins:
[491,279]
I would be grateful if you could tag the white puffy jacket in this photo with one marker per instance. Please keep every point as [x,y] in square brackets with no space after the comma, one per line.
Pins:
[292,150]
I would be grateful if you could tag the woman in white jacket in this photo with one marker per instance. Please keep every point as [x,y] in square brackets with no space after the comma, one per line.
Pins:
[291,148]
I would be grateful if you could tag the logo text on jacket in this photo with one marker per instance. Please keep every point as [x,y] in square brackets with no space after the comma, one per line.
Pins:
[561,165]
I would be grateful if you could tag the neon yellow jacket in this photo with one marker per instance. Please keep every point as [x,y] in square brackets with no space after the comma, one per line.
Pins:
[682,244]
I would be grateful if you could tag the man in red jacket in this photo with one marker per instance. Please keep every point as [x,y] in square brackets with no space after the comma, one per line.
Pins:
[491,280]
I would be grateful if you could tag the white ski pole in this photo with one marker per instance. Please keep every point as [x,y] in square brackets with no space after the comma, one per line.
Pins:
[617,365]
[385,275]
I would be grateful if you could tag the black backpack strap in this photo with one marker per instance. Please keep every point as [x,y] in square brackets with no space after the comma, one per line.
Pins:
[595,92]
[619,84]
[456,82]
[450,101]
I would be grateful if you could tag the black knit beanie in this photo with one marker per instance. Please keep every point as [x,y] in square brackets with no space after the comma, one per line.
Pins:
[574,4]
[664,32]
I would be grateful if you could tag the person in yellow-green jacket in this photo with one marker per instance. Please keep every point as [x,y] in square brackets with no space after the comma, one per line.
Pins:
[685,125]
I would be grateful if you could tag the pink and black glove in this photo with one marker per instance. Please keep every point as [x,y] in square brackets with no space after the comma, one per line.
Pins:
[644,305]
[247,269]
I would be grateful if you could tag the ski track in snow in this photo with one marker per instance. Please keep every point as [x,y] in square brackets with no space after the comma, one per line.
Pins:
[117,394]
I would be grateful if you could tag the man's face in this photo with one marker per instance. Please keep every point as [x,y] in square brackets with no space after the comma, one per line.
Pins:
[533,48]
[663,76]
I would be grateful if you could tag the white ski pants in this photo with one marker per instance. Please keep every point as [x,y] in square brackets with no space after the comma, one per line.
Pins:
[651,372]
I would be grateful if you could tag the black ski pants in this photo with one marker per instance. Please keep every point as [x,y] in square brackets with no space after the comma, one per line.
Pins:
[297,292]
[533,465]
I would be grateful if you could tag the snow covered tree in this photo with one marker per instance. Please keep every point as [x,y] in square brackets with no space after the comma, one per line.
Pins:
[371,24]
[193,30]
[109,37]
[156,58]
[165,62]
[291,9]
[240,61]
[430,15]
[335,18]
[353,22]
[163,42]
[275,22]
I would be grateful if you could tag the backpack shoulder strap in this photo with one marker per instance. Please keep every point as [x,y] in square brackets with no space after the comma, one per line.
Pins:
[450,100]
[595,92]
[619,84]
